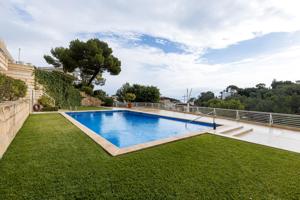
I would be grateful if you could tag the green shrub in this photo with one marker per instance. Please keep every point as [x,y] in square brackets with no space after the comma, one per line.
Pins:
[78,85]
[100,94]
[88,90]
[129,97]
[19,88]
[108,101]
[46,101]
[60,87]
[11,89]
[50,109]
[227,104]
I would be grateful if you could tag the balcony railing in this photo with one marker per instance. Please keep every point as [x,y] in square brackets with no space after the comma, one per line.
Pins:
[265,118]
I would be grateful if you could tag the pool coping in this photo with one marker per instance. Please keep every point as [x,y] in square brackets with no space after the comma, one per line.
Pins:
[115,151]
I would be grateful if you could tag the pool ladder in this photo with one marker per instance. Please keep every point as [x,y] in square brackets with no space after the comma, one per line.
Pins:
[214,120]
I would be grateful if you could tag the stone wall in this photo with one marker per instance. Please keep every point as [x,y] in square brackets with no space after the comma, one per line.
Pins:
[89,101]
[12,117]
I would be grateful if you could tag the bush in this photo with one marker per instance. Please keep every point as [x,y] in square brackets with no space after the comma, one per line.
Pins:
[100,94]
[19,88]
[88,90]
[60,87]
[129,97]
[45,101]
[11,89]
[108,101]
[50,109]
[227,104]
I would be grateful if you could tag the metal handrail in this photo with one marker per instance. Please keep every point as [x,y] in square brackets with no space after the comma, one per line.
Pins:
[200,116]
[190,121]
[266,118]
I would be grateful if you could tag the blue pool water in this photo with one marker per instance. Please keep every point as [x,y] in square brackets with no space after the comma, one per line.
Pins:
[127,128]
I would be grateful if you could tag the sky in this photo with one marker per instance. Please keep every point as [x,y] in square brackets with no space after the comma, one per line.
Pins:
[171,44]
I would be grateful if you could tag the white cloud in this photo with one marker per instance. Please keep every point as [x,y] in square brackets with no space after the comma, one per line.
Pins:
[198,24]
[174,73]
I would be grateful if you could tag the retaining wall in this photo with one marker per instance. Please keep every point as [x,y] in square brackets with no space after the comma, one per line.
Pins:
[12,116]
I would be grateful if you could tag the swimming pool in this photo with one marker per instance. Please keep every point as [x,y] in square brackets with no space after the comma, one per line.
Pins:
[124,128]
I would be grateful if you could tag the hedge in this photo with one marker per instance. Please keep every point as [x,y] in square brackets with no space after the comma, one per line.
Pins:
[11,89]
[108,101]
[45,109]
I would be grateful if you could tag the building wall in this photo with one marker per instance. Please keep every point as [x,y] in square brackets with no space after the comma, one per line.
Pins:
[12,116]
[5,56]
[3,61]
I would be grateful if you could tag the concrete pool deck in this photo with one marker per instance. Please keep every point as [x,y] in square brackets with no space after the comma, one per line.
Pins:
[259,134]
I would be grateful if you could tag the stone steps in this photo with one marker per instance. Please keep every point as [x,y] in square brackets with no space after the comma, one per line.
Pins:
[236,131]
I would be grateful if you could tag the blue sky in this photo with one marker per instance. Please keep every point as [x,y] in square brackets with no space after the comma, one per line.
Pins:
[260,45]
[139,39]
[21,13]
[180,44]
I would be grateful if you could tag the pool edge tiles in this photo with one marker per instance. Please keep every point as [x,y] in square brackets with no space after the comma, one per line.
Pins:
[115,151]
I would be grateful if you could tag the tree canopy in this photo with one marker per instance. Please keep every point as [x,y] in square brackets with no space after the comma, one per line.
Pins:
[92,58]
[203,98]
[142,93]
[100,94]
[232,87]
[276,84]
[282,97]
[229,104]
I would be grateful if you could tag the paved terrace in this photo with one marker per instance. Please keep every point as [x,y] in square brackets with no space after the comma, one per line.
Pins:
[259,134]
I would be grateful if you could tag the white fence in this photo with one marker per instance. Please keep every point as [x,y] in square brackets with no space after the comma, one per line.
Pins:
[271,119]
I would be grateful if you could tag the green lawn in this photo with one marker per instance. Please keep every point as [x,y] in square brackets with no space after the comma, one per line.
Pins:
[91,108]
[52,159]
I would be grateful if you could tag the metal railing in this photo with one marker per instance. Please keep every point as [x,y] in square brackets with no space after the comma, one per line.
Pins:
[271,119]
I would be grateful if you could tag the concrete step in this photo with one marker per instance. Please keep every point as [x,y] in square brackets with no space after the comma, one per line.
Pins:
[231,130]
[243,132]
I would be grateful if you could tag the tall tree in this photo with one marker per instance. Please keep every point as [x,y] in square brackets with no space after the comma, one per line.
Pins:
[231,87]
[203,98]
[261,86]
[92,58]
